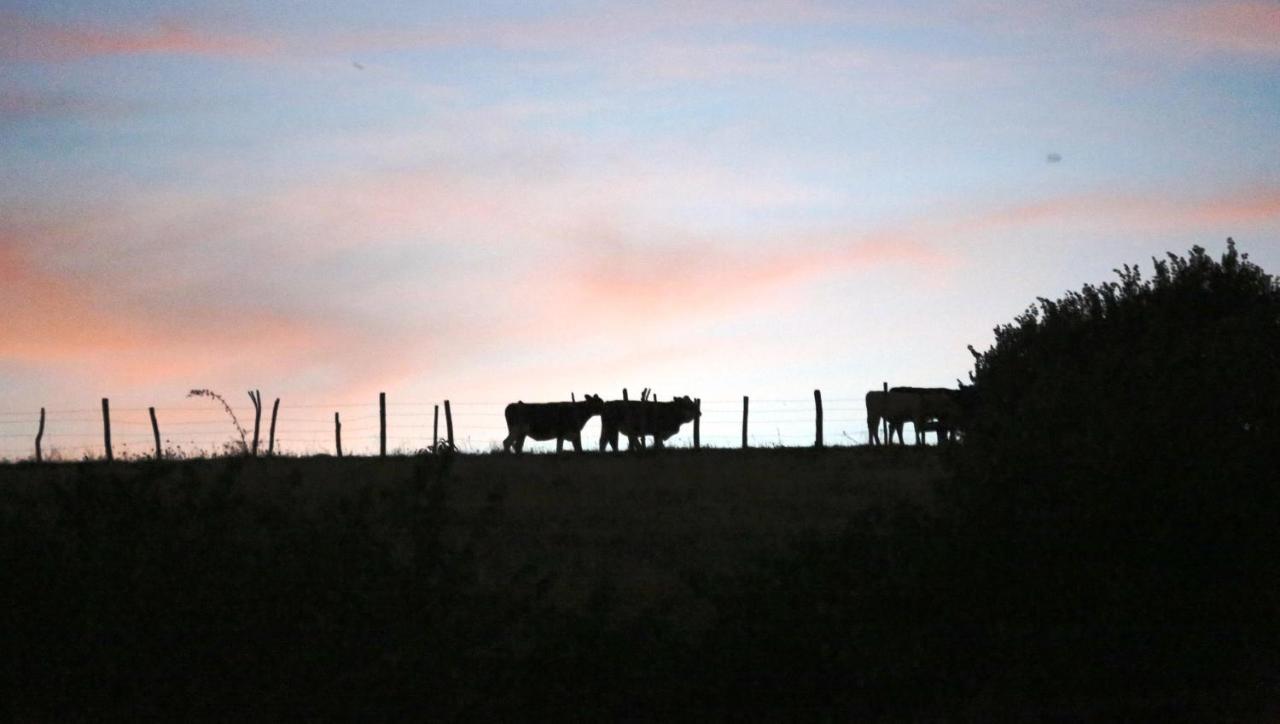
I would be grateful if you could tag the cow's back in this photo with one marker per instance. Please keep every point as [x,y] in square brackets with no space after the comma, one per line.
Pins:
[626,416]
[543,420]
[894,405]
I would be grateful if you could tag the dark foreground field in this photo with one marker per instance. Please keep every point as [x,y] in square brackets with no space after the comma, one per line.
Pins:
[726,583]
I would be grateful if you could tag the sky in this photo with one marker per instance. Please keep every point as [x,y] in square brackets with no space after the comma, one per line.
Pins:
[497,201]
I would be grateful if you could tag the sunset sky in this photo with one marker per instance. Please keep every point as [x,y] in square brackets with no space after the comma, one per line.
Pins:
[492,201]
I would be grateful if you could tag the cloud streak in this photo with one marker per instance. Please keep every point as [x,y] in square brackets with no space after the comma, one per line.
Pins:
[1244,28]
[24,38]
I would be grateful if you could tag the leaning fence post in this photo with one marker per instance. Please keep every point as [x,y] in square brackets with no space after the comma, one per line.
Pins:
[887,430]
[106,428]
[624,394]
[697,424]
[382,424]
[435,429]
[337,433]
[155,430]
[256,396]
[745,404]
[817,402]
[39,435]
[448,424]
[271,437]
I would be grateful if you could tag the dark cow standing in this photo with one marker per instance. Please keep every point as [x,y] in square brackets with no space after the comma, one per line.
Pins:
[638,419]
[939,411]
[927,408]
[557,421]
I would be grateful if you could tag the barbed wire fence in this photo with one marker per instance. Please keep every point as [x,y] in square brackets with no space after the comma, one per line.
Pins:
[197,429]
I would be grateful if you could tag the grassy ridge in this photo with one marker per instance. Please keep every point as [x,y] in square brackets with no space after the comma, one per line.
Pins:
[466,586]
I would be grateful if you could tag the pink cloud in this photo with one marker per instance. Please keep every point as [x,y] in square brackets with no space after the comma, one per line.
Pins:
[25,39]
[82,320]
[581,261]
[1235,26]
[644,284]
[647,284]
[1247,207]
[1218,214]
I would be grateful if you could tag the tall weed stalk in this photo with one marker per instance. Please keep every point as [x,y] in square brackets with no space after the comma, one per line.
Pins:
[244,445]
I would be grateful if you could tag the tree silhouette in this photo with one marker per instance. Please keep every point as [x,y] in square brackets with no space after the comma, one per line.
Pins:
[1121,461]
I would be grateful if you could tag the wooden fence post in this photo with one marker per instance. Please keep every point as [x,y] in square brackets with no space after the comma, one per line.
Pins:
[271,437]
[155,430]
[337,433]
[745,404]
[382,424]
[817,402]
[887,430]
[624,394]
[448,424]
[106,428]
[697,424]
[39,435]
[256,396]
[435,429]
[653,418]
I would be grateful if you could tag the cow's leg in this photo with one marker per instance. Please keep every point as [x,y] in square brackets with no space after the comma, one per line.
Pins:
[559,444]
[577,441]
[514,441]
[873,429]
[657,441]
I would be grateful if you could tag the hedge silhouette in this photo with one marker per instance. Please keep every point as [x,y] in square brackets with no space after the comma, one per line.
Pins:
[1120,469]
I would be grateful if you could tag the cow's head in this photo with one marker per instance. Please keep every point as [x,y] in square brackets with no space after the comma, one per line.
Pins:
[687,408]
[593,403]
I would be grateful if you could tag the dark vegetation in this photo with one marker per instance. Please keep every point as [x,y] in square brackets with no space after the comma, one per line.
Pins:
[449,586]
[1102,546]
[1121,462]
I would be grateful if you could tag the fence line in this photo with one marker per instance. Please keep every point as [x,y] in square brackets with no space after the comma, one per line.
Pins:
[386,424]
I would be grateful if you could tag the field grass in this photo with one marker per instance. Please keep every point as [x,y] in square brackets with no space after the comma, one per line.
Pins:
[762,584]
[455,586]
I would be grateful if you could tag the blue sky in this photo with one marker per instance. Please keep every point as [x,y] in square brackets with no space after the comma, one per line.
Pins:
[504,201]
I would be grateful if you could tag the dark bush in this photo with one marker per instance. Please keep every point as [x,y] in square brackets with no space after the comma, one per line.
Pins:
[1119,483]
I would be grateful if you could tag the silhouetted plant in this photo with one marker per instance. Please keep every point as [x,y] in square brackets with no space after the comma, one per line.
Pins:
[243,448]
[1119,477]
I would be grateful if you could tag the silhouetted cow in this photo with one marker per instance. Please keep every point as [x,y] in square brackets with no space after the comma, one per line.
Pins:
[638,419]
[939,410]
[935,408]
[557,421]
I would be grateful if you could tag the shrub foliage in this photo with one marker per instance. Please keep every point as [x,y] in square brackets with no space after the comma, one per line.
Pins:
[1120,461]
